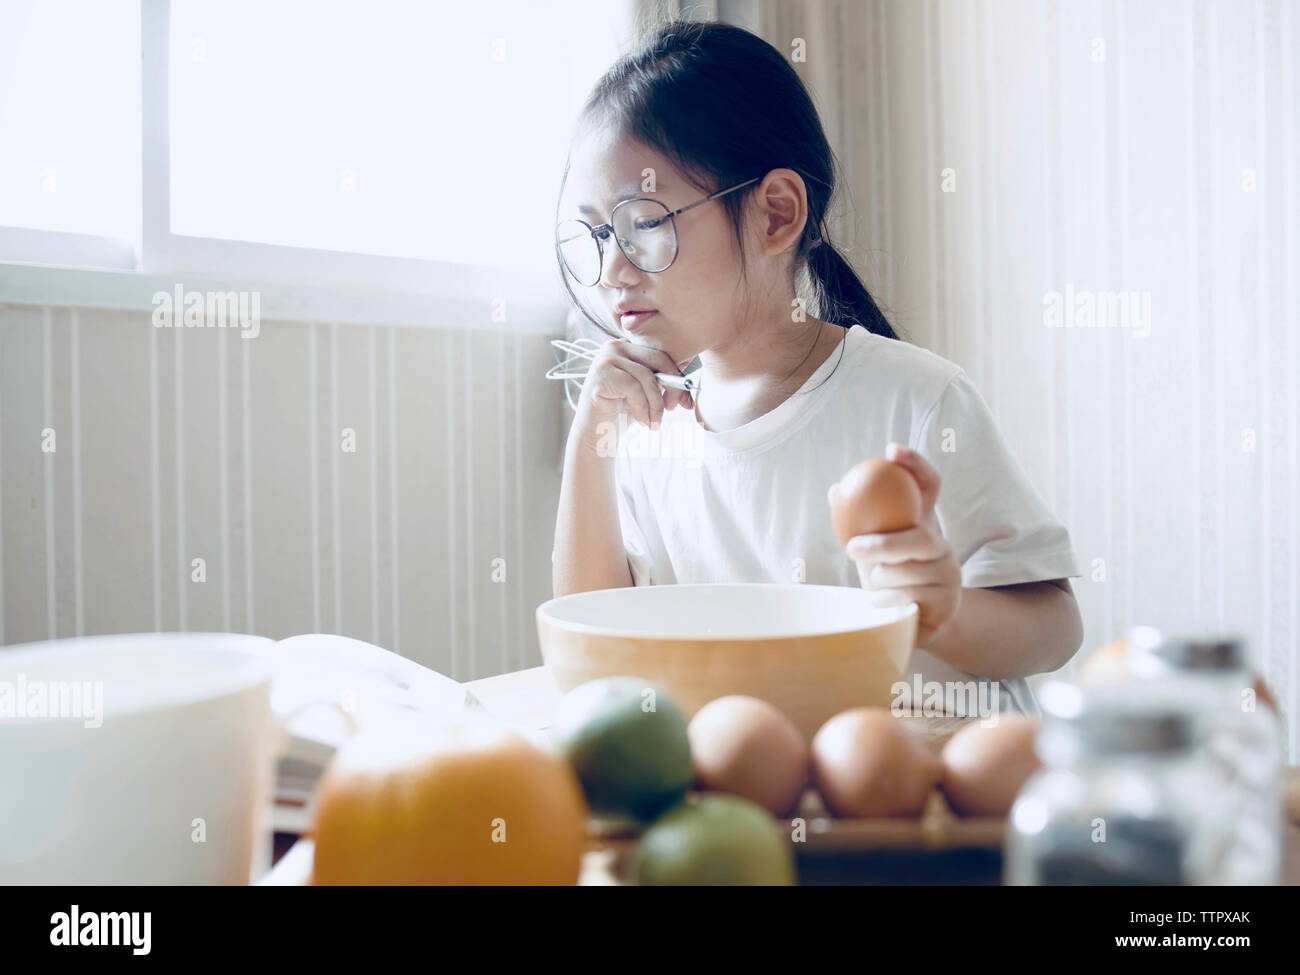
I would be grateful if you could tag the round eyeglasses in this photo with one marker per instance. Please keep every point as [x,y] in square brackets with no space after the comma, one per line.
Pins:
[644,229]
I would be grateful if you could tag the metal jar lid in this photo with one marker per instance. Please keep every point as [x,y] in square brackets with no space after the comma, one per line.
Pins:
[1190,651]
[1151,717]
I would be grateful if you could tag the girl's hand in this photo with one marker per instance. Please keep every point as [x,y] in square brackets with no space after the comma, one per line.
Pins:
[621,380]
[913,565]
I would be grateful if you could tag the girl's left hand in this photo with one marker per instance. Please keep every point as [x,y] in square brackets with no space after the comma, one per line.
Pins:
[913,565]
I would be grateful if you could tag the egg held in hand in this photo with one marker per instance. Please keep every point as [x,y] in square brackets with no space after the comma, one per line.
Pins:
[983,767]
[867,764]
[747,747]
[874,495]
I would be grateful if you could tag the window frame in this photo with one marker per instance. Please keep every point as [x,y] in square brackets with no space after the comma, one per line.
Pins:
[290,272]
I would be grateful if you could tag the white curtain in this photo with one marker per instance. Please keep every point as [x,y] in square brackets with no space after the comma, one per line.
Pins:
[1092,208]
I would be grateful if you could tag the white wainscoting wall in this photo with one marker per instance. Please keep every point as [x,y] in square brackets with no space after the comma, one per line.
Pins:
[176,444]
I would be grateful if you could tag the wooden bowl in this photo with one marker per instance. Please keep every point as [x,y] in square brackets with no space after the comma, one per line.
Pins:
[812,651]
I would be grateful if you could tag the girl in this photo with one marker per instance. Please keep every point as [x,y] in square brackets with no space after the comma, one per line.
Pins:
[694,197]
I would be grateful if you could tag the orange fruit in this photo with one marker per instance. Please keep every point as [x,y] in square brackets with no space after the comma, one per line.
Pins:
[465,804]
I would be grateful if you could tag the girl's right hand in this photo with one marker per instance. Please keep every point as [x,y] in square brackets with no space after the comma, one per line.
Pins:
[621,380]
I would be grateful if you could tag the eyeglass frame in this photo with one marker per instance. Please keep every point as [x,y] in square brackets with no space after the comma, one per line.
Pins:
[608,229]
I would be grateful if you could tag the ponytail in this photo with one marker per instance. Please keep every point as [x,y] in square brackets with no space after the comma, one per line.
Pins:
[842,298]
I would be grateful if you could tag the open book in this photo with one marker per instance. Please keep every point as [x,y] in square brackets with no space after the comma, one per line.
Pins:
[319,682]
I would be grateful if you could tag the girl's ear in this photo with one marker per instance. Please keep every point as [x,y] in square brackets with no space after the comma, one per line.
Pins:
[782,200]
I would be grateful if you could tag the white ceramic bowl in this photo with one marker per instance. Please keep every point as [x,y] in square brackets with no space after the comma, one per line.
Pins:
[153,766]
[813,651]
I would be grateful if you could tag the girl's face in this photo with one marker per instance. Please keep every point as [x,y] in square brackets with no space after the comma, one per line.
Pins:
[696,300]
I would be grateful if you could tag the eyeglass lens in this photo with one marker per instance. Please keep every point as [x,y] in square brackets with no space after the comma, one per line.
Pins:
[646,236]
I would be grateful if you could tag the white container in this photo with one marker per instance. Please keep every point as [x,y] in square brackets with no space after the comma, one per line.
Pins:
[1126,794]
[1243,740]
[151,763]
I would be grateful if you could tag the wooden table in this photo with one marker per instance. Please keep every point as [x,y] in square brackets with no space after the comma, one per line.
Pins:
[938,848]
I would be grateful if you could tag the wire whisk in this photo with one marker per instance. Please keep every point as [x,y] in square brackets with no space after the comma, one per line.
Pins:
[584,350]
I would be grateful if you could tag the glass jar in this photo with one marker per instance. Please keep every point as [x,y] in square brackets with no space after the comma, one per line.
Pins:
[1125,795]
[1243,739]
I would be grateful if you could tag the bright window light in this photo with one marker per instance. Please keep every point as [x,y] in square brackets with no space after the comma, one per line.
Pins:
[70,116]
[410,129]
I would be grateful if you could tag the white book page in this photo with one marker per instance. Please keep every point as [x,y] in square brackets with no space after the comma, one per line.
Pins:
[318,676]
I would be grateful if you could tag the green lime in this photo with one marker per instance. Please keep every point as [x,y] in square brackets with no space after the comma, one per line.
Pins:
[626,740]
[713,839]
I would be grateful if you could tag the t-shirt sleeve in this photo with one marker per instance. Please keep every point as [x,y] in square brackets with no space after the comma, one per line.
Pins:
[1000,530]
[638,553]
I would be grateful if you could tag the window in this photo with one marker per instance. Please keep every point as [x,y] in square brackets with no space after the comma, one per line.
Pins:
[70,119]
[343,134]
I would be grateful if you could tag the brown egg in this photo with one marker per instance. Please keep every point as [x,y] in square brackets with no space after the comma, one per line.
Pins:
[866,763]
[747,747]
[1106,665]
[875,495]
[983,767]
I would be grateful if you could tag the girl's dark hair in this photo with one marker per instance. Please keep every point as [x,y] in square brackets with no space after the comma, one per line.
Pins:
[724,105]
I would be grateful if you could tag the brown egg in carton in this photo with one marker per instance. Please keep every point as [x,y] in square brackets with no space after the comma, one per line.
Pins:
[813,830]
[934,733]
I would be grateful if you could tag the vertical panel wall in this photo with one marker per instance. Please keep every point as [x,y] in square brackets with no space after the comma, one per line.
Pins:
[394,484]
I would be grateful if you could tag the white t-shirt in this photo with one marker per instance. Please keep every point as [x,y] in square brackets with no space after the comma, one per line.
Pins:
[749,504]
